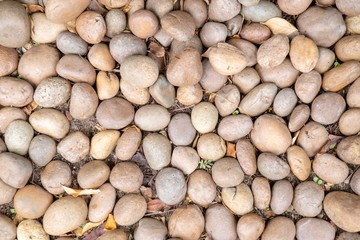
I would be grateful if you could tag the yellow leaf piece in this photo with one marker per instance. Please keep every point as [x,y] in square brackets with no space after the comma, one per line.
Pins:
[230,150]
[84,228]
[235,36]
[295,137]
[212,97]
[110,223]
[30,107]
[280,26]
[71,26]
[126,8]
[32,8]
[155,205]
[188,199]
[79,192]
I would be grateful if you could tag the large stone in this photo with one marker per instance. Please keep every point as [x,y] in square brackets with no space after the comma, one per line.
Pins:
[343,209]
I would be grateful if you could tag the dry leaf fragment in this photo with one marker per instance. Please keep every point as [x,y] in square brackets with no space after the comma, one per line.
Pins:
[126,8]
[17,219]
[97,7]
[234,36]
[95,233]
[280,26]
[146,192]
[71,26]
[79,192]
[155,205]
[295,137]
[132,126]
[157,49]
[84,228]
[110,223]
[32,8]
[331,143]
[30,107]
[68,115]
[212,97]
[230,150]
[196,140]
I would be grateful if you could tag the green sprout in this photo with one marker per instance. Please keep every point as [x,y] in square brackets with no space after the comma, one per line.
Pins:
[19,76]
[336,64]
[12,211]
[205,164]
[82,225]
[236,112]
[317,180]
[332,146]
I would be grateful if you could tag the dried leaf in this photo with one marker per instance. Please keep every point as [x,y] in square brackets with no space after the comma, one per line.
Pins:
[268,213]
[207,52]
[132,126]
[187,200]
[126,8]
[97,7]
[331,143]
[146,192]
[84,228]
[230,150]
[110,223]
[212,97]
[155,205]
[280,26]
[295,137]
[157,49]
[95,233]
[27,47]
[17,219]
[196,140]
[163,220]
[68,115]
[30,107]
[99,127]
[32,8]
[328,186]
[235,36]
[79,192]
[71,26]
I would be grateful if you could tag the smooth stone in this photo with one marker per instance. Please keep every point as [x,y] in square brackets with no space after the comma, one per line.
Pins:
[59,218]
[281,196]
[74,147]
[262,192]
[170,186]
[15,170]
[343,209]
[314,228]
[272,167]
[308,199]
[279,228]
[102,204]
[157,150]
